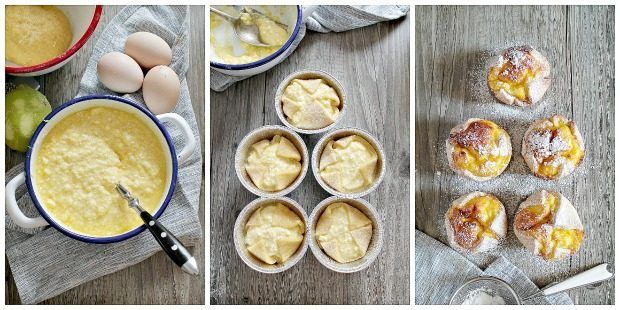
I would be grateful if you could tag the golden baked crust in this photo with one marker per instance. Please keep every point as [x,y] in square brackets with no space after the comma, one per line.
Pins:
[478,149]
[476,222]
[553,147]
[548,225]
[520,76]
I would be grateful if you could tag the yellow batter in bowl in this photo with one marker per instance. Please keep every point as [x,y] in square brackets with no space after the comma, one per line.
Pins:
[234,51]
[35,33]
[82,158]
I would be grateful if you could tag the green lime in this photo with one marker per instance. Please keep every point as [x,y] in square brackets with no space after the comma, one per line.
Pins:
[25,109]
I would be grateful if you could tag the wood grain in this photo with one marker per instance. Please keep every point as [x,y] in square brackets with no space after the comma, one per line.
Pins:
[451,41]
[372,63]
[155,280]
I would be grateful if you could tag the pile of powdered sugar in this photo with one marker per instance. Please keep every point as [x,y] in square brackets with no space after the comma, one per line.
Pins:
[483,296]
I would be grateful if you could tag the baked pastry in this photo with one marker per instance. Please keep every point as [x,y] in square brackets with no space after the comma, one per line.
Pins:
[343,232]
[349,164]
[476,222]
[520,76]
[310,104]
[273,233]
[548,225]
[552,147]
[273,165]
[478,149]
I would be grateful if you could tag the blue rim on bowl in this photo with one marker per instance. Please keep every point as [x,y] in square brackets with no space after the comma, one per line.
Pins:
[269,58]
[78,236]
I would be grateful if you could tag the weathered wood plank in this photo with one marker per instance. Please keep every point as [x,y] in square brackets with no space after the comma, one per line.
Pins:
[453,43]
[155,280]
[373,65]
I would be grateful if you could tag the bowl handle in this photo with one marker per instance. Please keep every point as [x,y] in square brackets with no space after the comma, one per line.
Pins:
[12,208]
[190,141]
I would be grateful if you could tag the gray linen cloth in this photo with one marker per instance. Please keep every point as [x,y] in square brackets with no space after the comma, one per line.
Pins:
[440,271]
[327,18]
[45,262]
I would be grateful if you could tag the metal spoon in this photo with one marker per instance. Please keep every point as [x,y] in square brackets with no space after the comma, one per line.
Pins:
[249,10]
[168,242]
[247,33]
[589,278]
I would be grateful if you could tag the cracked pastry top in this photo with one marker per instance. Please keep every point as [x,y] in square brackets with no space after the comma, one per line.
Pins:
[478,149]
[476,222]
[273,233]
[553,147]
[520,76]
[343,232]
[349,164]
[548,225]
[310,103]
[273,165]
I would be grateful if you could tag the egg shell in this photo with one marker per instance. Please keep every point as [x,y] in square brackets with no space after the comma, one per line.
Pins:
[161,89]
[148,49]
[119,73]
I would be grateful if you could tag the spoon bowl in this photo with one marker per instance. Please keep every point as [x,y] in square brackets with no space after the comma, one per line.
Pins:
[246,31]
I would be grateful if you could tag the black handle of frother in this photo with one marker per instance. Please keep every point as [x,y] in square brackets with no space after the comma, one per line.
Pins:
[171,245]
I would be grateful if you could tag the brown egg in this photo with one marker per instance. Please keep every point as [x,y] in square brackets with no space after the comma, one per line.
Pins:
[119,73]
[148,49]
[161,89]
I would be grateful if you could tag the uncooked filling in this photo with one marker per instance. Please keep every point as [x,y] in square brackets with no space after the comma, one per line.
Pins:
[343,232]
[232,50]
[274,164]
[273,233]
[349,164]
[82,158]
[35,33]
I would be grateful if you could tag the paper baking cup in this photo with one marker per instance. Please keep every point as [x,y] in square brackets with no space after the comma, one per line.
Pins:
[376,241]
[268,132]
[341,133]
[310,74]
[239,235]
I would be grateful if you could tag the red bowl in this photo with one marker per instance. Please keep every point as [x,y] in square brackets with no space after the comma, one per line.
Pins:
[82,17]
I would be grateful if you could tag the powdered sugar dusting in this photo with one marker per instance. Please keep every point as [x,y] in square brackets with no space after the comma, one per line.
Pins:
[518,61]
[544,144]
[517,182]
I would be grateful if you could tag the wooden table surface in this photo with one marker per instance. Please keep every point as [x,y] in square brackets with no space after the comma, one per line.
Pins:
[155,280]
[452,45]
[372,63]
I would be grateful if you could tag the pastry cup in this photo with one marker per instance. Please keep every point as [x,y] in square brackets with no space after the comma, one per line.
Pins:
[268,132]
[239,235]
[499,225]
[565,216]
[505,148]
[536,88]
[310,74]
[528,152]
[376,241]
[341,133]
